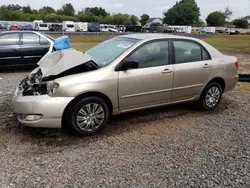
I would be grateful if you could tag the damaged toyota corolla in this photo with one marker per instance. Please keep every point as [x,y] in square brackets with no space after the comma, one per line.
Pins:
[80,91]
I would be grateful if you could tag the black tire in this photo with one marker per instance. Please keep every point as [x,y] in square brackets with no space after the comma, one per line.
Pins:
[203,105]
[70,120]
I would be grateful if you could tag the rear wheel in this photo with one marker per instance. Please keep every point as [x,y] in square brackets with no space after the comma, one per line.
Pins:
[86,116]
[211,96]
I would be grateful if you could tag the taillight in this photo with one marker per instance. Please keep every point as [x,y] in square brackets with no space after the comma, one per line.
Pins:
[237,64]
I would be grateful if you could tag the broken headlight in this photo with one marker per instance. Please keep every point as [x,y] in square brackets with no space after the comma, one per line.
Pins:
[52,87]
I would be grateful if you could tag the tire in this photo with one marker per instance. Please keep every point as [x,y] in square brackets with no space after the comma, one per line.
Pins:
[210,97]
[80,116]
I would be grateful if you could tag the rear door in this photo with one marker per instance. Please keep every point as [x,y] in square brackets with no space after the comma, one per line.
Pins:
[10,54]
[192,69]
[33,48]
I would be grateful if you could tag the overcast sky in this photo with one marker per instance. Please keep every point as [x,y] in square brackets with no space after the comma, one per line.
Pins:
[152,7]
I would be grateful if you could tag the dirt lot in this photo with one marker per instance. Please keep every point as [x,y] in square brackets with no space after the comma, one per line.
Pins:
[166,147]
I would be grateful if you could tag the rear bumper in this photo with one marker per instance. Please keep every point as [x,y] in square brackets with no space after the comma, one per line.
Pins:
[49,108]
[230,83]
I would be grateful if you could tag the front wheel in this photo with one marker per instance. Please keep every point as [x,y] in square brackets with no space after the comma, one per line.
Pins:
[86,116]
[211,96]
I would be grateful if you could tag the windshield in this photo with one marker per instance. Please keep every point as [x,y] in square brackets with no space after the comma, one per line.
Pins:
[71,26]
[107,51]
[43,25]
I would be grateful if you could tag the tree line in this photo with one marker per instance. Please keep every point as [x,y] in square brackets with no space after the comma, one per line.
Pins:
[184,12]
[16,12]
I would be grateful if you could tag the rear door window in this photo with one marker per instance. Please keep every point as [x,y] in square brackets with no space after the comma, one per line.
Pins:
[9,39]
[31,38]
[187,51]
[44,41]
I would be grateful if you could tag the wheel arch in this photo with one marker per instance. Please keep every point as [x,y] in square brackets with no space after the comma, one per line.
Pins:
[84,95]
[218,80]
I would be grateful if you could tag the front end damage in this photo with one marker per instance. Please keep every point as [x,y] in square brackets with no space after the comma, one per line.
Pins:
[35,101]
[35,85]
[56,65]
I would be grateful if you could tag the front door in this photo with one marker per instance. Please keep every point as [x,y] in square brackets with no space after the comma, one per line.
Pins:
[10,54]
[151,83]
[192,68]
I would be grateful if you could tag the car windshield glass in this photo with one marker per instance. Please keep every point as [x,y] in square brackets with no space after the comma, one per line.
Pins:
[71,26]
[43,25]
[107,51]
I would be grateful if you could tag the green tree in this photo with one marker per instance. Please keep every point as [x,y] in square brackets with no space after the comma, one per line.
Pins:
[134,20]
[27,9]
[185,12]
[107,20]
[144,19]
[200,23]
[122,19]
[241,23]
[13,7]
[97,11]
[216,18]
[47,10]
[67,9]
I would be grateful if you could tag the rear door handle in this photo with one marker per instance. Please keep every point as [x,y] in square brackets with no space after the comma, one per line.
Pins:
[166,71]
[206,66]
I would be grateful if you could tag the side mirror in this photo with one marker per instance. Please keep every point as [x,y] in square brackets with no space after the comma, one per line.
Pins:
[127,64]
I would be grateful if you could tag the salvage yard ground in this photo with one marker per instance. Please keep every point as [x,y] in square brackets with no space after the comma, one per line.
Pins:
[174,146]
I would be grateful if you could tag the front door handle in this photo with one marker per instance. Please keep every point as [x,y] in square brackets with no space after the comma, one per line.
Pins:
[206,66]
[166,71]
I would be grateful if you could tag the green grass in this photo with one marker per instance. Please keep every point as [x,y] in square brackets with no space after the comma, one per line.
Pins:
[230,43]
[224,43]
[82,43]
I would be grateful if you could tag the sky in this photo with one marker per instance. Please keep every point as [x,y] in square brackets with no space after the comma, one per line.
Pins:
[154,8]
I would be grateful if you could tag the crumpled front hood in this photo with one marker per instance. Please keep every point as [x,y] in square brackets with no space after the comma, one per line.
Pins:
[61,61]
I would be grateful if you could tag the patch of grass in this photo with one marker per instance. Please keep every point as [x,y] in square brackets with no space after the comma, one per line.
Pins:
[224,43]
[82,43]
[230,43]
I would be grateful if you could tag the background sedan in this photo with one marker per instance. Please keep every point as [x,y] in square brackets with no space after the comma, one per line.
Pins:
[23,48]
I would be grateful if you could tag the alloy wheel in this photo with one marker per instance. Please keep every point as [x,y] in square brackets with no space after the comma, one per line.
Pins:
[90,117]
[212,97]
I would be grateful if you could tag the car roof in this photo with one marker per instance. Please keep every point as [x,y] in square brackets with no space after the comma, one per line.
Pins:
[152,36]
[20,31]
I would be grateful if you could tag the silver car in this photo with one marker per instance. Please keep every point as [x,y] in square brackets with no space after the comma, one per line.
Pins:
[80,91]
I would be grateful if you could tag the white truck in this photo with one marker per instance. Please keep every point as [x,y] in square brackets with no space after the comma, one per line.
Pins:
[68,26]
[180,28]
[81,26]
[209,29]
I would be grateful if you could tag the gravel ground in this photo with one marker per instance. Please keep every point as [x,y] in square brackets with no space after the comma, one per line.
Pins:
[166,147]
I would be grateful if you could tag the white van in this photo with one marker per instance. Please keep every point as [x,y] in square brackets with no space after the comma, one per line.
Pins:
[35,24]
[81,26]
[68,26]
[42,27]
